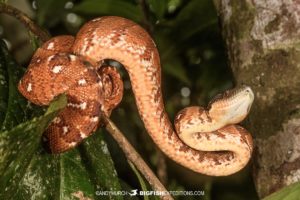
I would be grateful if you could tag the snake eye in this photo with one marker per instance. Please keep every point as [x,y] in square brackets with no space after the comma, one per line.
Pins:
[86,63]
[248,90]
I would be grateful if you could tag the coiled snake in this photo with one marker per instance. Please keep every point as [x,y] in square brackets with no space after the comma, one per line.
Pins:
[207,141]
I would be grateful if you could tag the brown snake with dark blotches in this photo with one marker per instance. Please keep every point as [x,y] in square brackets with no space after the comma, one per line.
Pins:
[207,140]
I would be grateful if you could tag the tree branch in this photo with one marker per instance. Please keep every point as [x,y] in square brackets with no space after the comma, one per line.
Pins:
[24,19]
[135,158]
[263,52]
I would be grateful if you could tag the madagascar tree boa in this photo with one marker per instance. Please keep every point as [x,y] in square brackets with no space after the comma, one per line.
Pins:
[207,140]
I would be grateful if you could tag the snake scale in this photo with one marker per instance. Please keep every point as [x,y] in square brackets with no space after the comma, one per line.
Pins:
[207,141]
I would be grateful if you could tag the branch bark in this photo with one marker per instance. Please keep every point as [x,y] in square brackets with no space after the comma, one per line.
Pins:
[24,19]
[135,158]
[263,42]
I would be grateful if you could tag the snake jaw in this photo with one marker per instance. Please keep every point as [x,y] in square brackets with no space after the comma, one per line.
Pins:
[250,93]
[232,106]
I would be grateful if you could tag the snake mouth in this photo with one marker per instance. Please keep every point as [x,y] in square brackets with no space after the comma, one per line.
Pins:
[232,106]
[250,93]
[239,94]
[249,106]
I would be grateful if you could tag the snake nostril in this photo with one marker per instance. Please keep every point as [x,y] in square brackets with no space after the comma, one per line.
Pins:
[248,89]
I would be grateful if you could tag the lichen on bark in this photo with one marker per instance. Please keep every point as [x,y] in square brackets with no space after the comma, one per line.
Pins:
[262,39]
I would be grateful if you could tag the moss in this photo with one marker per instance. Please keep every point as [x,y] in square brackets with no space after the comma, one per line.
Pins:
[290,25]
[264,117]
[279,65]
[272,72]
[241,23]
[273,25]
[237,29]
[257,45]
[277,59]
[272,78]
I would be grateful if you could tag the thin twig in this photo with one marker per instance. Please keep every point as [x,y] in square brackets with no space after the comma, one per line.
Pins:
[133,156]
[24,19]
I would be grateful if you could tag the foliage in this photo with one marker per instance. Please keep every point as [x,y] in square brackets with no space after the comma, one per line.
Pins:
[290,192]
[26,170]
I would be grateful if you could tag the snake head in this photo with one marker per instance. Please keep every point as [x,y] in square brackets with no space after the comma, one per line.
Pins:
[232,106]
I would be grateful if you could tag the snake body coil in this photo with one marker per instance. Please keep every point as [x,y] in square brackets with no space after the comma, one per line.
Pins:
[207,141]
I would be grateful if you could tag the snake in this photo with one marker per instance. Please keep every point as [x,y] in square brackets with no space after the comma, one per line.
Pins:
[207,140]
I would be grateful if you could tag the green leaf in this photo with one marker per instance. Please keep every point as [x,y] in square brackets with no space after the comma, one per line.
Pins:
[18,109]
[57,104]
[291,192]
[98,162]
[41,179]
[176,70]
[3,85]
[15,104]
[27,171]
[143,184]
[18,146]
[158,7]
[140,178]
[109,7]
[34,41]
[74,178]
[81,171]
[194,17]
[50,12]
[171,64]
